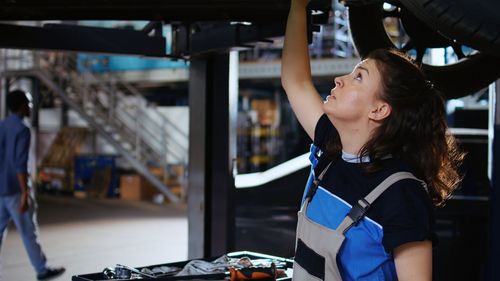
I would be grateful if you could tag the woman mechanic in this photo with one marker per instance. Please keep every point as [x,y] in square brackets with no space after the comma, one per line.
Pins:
[381,159]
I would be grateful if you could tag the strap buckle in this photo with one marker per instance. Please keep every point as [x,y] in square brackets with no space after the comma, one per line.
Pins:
[312,190]
[359,210]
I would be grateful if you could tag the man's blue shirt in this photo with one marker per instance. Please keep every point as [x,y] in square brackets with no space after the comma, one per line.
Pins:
[14,151]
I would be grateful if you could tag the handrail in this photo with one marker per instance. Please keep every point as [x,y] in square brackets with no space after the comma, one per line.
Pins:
[132,133]
[125,113]
[166,120]
[135,93]
[161,127]
[110,88]
[144,130]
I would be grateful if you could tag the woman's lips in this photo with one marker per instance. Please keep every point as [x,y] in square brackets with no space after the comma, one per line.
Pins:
[329,97]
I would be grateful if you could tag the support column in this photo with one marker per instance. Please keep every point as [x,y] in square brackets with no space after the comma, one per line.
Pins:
[35,94]
[64,115]
[35,125]
[3,101]
[211,154]
[494,159]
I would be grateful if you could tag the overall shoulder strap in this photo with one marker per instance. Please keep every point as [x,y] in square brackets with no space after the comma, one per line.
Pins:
[313,188]
[315,183]
[358,211]
[390,180]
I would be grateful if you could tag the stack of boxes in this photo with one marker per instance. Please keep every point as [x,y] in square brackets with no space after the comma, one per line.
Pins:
[135,187]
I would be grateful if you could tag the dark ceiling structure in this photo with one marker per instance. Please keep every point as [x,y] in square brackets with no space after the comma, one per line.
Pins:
[167,10]
[231,23]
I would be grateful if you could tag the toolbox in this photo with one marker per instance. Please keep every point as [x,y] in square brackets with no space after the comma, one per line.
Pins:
[285,266]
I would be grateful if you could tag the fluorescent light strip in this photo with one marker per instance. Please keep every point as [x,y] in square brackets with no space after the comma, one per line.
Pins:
[260,178]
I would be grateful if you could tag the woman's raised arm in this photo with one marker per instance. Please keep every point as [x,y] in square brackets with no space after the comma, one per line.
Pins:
[296,69]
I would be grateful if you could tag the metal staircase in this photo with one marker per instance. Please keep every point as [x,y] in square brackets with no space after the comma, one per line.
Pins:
[116,110]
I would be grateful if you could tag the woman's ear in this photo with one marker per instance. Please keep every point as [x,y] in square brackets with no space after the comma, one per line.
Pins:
[381,111]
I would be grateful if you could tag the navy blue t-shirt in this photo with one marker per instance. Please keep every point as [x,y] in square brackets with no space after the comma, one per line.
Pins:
[402,214]
[14,152]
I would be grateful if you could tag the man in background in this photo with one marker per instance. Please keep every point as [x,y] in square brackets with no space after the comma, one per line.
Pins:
[16,200]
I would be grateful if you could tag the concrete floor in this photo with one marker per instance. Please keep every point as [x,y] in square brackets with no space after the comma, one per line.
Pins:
[87,235]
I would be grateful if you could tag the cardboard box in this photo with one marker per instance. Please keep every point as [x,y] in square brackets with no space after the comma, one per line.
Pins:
[136,187]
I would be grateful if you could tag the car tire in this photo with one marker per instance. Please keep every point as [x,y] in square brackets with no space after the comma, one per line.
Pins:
[472,23]
[456,80]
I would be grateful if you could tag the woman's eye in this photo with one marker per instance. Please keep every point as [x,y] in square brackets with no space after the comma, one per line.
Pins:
[358,76]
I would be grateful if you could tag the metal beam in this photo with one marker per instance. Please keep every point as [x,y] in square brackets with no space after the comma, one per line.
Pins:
[215,38]
[174,10]
[226,36]
[83,39]
[3,96]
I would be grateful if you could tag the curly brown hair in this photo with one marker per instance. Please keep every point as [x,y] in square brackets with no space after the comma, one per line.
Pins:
[416,130]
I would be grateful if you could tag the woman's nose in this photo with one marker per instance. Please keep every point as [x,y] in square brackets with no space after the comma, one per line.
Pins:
[338,82]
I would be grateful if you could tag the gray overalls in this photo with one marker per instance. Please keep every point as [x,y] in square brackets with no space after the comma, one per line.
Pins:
[327,242]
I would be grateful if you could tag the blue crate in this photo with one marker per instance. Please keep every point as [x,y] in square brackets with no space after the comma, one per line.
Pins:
[85,167]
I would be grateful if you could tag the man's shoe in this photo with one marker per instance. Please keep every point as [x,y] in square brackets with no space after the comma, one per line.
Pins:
[51,273]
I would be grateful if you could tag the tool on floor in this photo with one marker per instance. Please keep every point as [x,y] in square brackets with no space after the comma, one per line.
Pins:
[253,273]
[250,273]
[123,272]
[124,268]
[109,273]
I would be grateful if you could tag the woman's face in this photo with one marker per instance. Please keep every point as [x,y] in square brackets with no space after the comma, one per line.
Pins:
[354,95]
